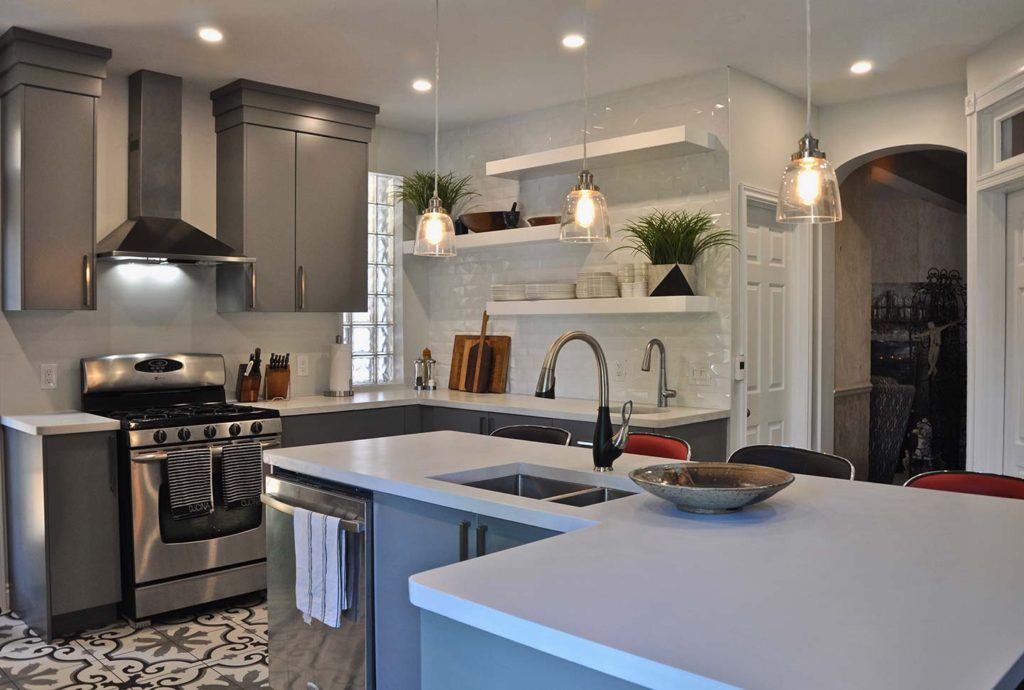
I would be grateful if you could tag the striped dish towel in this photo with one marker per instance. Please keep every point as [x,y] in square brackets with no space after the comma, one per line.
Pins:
[321,583]
[241,467]
[189,476]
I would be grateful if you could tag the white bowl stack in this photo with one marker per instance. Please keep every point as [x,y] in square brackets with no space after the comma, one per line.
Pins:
[593,284]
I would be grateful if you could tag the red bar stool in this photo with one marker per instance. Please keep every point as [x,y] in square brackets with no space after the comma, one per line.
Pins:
[658,446]
[979,483]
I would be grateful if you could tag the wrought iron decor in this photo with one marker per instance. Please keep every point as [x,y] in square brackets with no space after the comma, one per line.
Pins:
[919,337]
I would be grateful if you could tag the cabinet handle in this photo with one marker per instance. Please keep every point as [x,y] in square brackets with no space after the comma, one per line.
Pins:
[463,541]
[481,541]
[252,287]
[302,288]
[87,281]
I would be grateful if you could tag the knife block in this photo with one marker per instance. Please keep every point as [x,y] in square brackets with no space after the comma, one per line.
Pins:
[278,383]
[247,388]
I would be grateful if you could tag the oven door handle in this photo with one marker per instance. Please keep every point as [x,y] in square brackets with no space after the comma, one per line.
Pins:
[277,504]
[161,455]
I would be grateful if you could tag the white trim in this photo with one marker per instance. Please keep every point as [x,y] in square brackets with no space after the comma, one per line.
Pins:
[801,332]
[986,279]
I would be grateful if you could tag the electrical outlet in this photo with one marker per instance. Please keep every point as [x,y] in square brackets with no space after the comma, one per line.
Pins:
[48,376]
[302,365]
[700,374]
[619,370]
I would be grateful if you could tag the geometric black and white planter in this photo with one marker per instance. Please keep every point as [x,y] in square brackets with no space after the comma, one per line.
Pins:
[664,280]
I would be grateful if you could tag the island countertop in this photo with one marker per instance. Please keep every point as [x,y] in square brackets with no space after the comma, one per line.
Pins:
[830,584]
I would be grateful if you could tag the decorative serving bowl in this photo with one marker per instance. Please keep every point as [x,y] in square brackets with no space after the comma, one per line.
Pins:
[711,487]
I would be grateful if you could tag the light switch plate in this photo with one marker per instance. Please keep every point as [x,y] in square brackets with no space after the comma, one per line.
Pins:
[48,377]
[302,365]
[619,370]
[700,374]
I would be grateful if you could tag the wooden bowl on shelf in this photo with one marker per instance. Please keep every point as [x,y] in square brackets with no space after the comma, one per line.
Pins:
[534,221]
[484,221]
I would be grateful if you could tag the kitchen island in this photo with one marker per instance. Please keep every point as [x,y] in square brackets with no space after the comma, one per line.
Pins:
[830,584]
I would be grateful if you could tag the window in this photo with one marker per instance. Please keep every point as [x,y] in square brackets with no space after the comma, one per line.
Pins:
[372,333]
[1011,136]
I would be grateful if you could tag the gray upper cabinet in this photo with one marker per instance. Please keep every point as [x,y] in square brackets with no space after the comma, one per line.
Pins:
[256,215]
[330,223]
[49,88]
[292,172]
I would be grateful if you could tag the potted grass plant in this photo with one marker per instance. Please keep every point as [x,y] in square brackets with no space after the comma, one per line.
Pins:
[673,241]
[419,187]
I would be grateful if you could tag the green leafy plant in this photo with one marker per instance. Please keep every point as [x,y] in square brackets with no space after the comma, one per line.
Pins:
[675,237]
[418,188]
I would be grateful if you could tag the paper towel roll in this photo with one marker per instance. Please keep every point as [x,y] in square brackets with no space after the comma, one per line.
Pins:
[340,382]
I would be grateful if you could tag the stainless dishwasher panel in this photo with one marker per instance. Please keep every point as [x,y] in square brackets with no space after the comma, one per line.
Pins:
[315,656]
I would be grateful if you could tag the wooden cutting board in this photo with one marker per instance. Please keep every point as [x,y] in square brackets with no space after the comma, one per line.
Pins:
[502,346]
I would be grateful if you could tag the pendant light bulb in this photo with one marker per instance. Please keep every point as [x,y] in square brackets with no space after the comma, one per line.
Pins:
[809,192]
[585,211]
[435,231]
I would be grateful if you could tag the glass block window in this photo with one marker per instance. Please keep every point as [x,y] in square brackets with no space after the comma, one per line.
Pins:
[372,333]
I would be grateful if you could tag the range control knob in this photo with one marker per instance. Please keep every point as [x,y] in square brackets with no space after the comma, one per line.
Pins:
[256,428]
[184,434]
[159,435]
[210,431]
[235,429]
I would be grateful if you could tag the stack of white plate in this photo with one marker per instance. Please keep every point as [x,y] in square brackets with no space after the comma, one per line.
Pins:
[591,284]
[550,290]
[508,293]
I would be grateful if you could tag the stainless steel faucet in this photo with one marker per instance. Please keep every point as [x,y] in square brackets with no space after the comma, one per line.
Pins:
[664,392]
[607,446]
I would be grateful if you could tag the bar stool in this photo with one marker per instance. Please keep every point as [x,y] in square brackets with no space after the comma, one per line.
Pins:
[980,483]
[795,460]
[658,446]
[535,432]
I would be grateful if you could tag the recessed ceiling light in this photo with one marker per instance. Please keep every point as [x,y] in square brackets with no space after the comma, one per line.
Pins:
[422,85]
[210,34]
[861,67]
[573,41]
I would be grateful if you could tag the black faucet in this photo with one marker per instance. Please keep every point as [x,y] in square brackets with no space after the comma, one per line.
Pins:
[607,446]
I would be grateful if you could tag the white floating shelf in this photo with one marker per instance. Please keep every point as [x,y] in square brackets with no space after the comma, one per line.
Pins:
[498,238]
[631,148]
[611,305]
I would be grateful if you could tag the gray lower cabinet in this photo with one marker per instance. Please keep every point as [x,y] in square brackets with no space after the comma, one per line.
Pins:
[411,537]
[62,528]
[50,87]
[310,429]
[475,422]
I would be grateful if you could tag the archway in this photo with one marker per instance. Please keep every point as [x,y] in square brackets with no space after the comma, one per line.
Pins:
[899,329]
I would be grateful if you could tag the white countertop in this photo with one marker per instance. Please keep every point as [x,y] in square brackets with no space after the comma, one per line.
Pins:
[558,408]
[830,584]
[59,423]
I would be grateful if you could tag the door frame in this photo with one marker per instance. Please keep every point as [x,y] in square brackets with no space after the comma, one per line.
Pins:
[800,359]
[989,181]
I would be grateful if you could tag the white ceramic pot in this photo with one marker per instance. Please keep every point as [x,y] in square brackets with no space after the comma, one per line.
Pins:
[664,280]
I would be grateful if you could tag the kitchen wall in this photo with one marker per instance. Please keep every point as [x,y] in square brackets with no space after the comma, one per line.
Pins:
[163,308]
[864,127]
[455,290]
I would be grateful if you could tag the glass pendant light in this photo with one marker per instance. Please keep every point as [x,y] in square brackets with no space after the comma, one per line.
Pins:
[585,211]
[435,232]
[809,192]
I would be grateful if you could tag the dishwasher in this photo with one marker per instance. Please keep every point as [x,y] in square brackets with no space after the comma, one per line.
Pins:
[316,656]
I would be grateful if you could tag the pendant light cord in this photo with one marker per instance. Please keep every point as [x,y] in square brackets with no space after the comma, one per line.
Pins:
[808,64]
[437,84]
[586,81]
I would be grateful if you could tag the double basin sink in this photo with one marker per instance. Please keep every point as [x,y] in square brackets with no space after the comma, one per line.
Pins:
[547,489]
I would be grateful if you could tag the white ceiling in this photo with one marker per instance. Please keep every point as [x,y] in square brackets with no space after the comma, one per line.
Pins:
[504,56]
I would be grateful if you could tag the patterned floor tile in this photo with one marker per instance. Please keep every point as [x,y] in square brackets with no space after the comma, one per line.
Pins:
[46,673]
[201,649]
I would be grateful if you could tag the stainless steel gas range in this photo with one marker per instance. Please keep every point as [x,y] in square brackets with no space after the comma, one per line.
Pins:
[169,403]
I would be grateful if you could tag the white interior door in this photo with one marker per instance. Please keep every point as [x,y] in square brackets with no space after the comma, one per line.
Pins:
[769,261]
[1013,426]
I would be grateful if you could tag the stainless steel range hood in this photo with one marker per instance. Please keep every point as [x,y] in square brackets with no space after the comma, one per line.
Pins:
[154,230]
